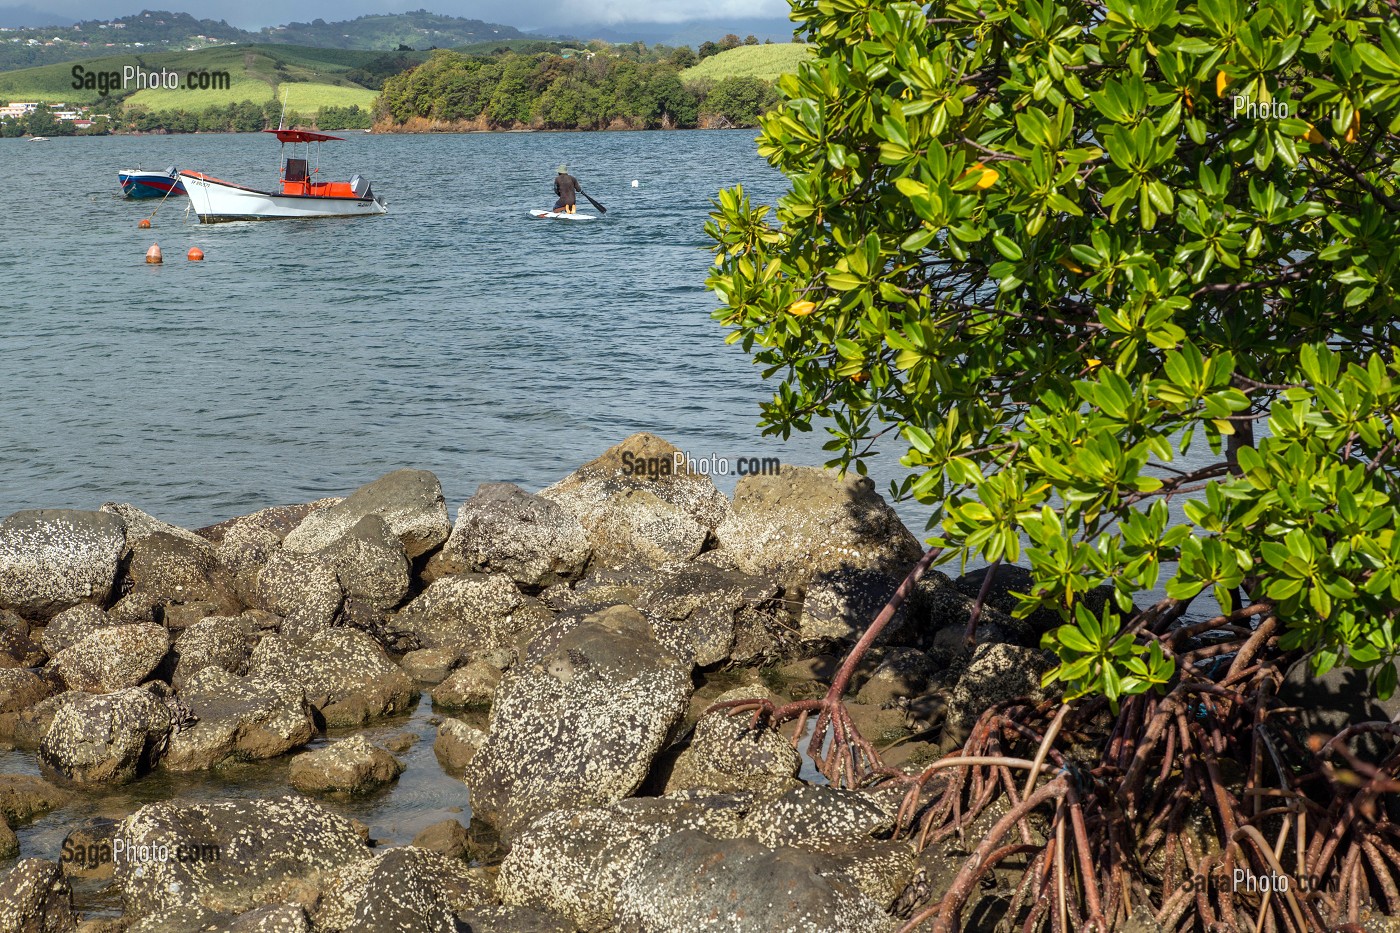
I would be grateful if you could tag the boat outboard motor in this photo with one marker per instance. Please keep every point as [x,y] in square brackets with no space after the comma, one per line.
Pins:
[360,186]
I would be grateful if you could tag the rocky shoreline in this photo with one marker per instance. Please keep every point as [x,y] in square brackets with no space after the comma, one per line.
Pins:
[571,640]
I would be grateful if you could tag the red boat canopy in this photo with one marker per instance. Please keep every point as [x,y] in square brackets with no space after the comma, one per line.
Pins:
[302,136]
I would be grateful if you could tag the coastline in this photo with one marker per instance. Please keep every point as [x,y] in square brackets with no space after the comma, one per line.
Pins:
[613,608]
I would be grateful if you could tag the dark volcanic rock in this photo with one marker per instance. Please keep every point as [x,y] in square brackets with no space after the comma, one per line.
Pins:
[405,888]
[244,544]
[409,501]
[345,674]
[248,853]
[445,837]
[727,754]
[505,530]
[1328,704]
[430,665]
[51,559]
[24,797]
[303,588]
[113,658]
[34,898]
[457,744]
[573,862]
[174,569]
[21,689]
[219,641]
[350,766]
[242,718]
[477,615]
[578,722]
[106,738]
[73,625]
[691,881]
[19,643]
[995,674]
[370,562]
[472,685]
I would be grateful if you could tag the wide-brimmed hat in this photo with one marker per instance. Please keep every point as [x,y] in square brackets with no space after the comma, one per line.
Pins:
[563,170]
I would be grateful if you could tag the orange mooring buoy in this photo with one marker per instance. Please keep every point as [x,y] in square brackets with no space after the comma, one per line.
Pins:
[145,224]
[153,254]
[195,254]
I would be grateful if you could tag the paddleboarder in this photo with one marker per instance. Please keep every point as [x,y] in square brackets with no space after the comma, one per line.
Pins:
[567,187]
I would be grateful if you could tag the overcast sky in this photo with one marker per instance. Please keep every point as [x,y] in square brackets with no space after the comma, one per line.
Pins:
[540,15]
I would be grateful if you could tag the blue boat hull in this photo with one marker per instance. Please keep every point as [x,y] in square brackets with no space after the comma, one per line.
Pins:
[149,184]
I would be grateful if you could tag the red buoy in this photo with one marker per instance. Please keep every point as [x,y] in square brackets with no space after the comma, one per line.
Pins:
[153,254]
[195,254]
[145,224]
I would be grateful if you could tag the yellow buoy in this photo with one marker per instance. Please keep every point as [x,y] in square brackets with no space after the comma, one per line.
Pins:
[153,254]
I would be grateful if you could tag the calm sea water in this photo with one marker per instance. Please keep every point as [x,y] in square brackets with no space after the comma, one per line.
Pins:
[301,359]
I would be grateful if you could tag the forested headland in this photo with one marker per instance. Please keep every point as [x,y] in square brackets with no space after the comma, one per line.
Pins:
[585,90]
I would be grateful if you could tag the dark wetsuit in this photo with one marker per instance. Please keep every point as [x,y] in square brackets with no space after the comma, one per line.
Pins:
[565,185]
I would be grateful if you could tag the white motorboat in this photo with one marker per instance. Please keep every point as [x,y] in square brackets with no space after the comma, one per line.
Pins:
[301,195]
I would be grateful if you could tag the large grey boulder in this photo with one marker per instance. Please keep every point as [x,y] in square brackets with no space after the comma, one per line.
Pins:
[580,721]
[692,881]
[804,520]
[505,530]
[245,543]
[404,888]
[240,718]
[472,685]
[51,559]
[345,674]
[700,612]
[370,562]
[997,673]
[174,569]
[478,615]
[574,862]
[113,658]
[73,625]
[351,766]
[246,853]
[409,501]
[727,753]
[218,641]
[302,588]
[108,738]
[646,463]
[35,898]
[637,526]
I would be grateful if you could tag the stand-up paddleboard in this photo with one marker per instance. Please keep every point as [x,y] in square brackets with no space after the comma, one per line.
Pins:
[561,215]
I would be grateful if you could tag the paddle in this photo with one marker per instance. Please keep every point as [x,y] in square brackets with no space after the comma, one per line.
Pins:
[601,208]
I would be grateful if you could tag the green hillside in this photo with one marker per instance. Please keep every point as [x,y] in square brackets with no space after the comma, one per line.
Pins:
[766,62]
[315,77]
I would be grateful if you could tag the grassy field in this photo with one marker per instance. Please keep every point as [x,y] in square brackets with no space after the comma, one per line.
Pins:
[316,77]
[749,61]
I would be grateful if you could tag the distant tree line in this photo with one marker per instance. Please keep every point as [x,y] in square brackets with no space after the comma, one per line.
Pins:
[584,90]
[245,117]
